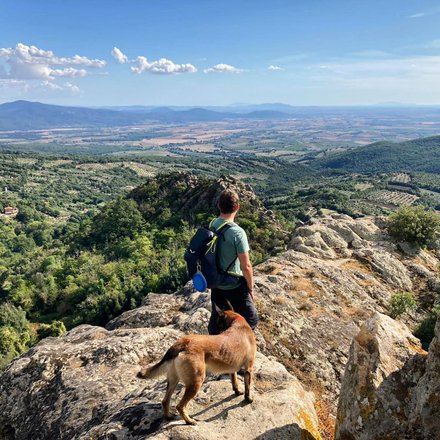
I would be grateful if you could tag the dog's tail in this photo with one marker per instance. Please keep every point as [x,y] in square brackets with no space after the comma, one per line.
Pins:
[161,367]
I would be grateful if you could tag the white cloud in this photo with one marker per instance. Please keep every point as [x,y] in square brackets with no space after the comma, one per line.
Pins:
[53,87]
[32,68]
[223,68]
[13,84]
[50,85]
[162,66]
[274,67]
[69,72]
[30,62]
[72,88]
[423,14]
[13,88]
[80,60]
[119,56]
[418,15]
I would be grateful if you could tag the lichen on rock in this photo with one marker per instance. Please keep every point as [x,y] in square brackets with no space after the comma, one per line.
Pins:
[391,387]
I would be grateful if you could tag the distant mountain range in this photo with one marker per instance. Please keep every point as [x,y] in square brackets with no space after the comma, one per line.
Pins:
[25,115]
[234,108]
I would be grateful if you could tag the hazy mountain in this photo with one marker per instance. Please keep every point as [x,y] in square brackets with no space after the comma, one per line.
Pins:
[25,115]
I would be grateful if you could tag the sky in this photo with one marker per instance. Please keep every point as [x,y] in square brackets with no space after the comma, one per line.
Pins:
[212,52]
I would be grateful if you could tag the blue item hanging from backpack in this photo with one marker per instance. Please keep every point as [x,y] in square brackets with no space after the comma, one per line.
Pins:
[202,258]
[199,282]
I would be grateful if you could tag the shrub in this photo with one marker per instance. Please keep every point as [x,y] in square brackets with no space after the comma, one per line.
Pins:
[15,333]
[401,303]
[425,330]
[15,317]
[414,224]
[56,328]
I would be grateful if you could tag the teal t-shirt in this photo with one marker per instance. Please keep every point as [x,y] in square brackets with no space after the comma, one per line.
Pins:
[235,243]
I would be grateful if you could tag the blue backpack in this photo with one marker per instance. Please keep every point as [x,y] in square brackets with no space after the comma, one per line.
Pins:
[202,258]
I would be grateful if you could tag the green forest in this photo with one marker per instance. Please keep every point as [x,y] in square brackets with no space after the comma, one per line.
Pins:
[95,234]
[57,274]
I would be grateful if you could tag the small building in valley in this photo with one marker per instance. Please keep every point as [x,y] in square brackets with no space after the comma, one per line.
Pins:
[9,210]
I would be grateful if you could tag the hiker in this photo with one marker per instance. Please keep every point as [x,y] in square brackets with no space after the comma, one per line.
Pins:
[233,257]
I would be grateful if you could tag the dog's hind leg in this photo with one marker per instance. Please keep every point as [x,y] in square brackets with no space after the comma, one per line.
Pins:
[235,384]
[192,371]
[247,385]
[190,392]
[172,381]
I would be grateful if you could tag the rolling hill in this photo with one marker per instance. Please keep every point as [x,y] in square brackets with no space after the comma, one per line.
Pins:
[415,155]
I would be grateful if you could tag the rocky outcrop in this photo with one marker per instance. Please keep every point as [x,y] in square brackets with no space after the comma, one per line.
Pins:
[338,272]
[312,304]
[427,411]
[391,387]
[313,298]
[83,385]
[312,301]
[187,194]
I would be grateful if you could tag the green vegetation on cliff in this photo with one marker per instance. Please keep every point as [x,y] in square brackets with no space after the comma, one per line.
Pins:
[414,224]
[415,155]
[93,267]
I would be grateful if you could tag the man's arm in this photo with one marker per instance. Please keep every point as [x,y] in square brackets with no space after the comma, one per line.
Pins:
[246,268]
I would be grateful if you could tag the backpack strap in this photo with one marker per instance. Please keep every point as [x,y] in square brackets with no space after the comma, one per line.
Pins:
[222,228]
[230,265]
[220,232]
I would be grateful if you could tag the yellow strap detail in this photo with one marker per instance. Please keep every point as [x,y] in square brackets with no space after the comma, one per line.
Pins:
[211,244]
[214,219]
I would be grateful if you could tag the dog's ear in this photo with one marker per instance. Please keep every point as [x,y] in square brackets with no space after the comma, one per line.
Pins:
[229,306]
[220,312]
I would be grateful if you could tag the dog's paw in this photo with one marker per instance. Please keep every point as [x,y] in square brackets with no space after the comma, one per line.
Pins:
[248,399]
[140,374]
[238,392]
[170,416]
[190,421]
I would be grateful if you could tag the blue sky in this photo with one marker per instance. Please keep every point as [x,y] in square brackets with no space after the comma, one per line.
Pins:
[187,52]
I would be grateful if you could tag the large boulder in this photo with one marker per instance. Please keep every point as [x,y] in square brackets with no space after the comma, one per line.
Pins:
[426,417]
[83,385]
[391,387]
[337,273]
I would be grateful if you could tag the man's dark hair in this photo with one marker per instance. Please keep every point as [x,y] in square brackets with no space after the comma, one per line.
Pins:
[228,202]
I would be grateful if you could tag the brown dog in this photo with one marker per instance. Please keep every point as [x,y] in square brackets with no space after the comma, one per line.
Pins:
[189,358]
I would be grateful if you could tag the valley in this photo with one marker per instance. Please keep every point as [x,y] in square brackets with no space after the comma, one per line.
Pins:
[94,219]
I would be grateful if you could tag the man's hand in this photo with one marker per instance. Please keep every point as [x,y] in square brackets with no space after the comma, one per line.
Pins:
[246,268]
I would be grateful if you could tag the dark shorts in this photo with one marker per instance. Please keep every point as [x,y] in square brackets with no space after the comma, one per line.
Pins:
[240,300]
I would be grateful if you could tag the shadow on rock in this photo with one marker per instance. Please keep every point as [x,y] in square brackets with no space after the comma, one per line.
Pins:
[286,432]
[141,419]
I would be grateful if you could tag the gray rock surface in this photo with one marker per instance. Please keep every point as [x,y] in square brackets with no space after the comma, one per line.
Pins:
[83,385]
[336,274]
[391,387]
[312,301]
[313,298]
[426,417]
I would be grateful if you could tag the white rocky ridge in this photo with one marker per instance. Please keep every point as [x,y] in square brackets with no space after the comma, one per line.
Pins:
[312,301]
